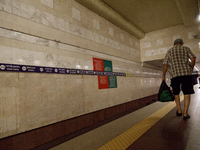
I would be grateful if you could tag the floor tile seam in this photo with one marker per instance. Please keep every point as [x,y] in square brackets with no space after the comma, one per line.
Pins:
[140,128]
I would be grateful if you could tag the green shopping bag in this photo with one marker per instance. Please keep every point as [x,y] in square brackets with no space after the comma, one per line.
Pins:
[165,94]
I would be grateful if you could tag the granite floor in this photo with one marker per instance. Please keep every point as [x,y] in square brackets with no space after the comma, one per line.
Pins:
[168,133]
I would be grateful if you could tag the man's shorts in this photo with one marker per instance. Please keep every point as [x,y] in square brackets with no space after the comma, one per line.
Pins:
[183,82]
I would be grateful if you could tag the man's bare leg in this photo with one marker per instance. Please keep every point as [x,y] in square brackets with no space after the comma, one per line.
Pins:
[177,101]
[186,104]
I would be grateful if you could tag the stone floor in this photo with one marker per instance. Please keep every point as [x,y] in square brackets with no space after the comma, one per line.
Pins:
[167,133]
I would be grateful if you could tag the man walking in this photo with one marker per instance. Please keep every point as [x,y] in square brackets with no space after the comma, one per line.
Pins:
[180,61]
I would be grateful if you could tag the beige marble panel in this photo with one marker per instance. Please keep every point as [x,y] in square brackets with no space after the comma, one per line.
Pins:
[49,98]
[154,51]
[35,34]
[47,27]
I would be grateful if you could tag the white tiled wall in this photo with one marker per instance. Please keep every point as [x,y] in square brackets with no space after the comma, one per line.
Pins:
[60,34]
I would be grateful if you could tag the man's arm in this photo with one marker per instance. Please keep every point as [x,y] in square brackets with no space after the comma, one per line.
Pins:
[193,60]
[164,72]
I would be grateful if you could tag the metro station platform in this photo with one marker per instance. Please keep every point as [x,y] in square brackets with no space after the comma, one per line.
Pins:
[154,127]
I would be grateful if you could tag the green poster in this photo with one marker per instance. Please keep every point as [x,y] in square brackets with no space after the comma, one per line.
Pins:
[112,81]
[107,65]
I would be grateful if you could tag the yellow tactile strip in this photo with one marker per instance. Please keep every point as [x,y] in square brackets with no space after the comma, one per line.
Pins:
[125,139]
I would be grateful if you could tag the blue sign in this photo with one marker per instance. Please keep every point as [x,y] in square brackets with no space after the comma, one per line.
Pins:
[41,69]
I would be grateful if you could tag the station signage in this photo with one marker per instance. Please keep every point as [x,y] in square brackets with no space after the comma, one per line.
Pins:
[43,69]
[109,80]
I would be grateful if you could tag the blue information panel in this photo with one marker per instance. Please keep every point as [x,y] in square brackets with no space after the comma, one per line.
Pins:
[41,69]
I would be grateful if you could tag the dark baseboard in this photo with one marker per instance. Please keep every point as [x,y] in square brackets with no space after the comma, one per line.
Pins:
[51,135]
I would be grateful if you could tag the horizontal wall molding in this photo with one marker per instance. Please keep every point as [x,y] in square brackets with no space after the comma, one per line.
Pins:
[108,13]
[61,56]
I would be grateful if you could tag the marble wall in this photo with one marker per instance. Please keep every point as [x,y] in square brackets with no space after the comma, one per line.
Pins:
[155,44]
[60,34]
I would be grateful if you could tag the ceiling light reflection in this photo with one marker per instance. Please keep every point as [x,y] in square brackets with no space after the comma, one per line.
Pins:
[78,66]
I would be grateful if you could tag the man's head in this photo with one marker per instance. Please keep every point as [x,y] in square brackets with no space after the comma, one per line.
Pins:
[178,41]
